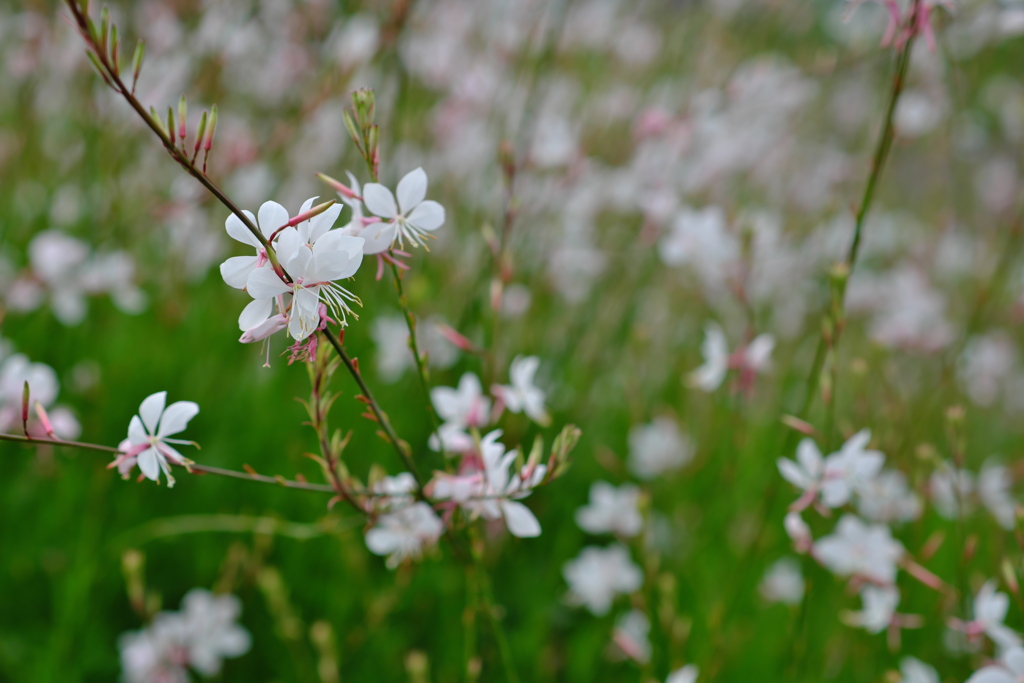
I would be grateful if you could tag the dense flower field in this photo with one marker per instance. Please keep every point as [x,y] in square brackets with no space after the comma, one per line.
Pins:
[565,340]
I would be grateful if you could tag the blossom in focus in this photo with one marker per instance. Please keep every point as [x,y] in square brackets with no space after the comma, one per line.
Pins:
[523,396]
[333,256]
[657,448]
[783,582]
[404,533]
[600,574]
[148,443]
[859,549]
[611,510]
[200,636]
[378,235]
[412,217]
[235,271]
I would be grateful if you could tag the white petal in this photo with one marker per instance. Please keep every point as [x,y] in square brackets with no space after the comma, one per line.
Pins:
[298,264]
[792,473]
[288,242]
[255,313]
[237,230]
[264,283]
[235,271]
[272,216]
[176,417]
[319,225]
[379,200]
[412,189]
[148,464]
[340,263]
[427,216]
[519,520]
[151,408]
[136,432]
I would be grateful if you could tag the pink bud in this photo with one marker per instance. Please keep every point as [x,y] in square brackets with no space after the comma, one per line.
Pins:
[455,338]
[44,419]
[312,213]
[338,186]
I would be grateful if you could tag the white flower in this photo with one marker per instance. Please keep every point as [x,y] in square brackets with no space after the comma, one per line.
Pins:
[1010,669]
[631,634]
[715,350]
[522,395]
[806,472]
[378,235]
[236,270]
[148,432]
[990,607]
[915,671]
[611,510]
[657,448]
[888,498]
[879,608]
[749,360]
[783,582]
[404,533]
[798,531]
[460,409]
[212,632]
[493,492]
[849,470]
[687,674]
[201,636]
[599,574]
[858,549]
[334,256]
[412,217]
[994,484]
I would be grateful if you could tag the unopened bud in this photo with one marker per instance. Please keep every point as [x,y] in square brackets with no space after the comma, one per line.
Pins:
[798,424]
[140,54]
[337,186]
[44,420]
[1010,576]
[115,46]
[104,29]
[171,128]
[24,408]
[456,338]
[213,129]
[315,211]
[182,118]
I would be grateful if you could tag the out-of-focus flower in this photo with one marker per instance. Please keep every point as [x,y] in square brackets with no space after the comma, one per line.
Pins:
[611,510]
[859,549]
[657,448]
[523,396]
[494,492]
[687,674]
[806,471]
[461,408]
[850,469]
[148,443]
[599,574]
[404,533]
[200,636]
[887,498]
[783,582]
[990,607]
[994,484]
[1009,669]
[798,532]
[913,670]
[952,491]
[631,634]
[412,217]
[750,360]
[879,608]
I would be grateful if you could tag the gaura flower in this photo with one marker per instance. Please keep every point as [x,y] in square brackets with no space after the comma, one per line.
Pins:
[148,444]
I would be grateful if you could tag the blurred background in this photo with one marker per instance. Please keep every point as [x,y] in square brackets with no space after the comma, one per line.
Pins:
[676,163]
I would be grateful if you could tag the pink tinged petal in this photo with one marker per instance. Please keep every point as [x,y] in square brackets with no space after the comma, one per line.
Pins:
[427,216]
[379,200]
[148,464]
[272,216]
[151,409]
[412,189]
[235,271]
[170,454]
[264,283]
[237,230]
[265,329]
[520,521]
[176,417]
[256,313]
[136,432]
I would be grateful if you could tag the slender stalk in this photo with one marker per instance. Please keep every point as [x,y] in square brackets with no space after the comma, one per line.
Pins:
[489,606]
